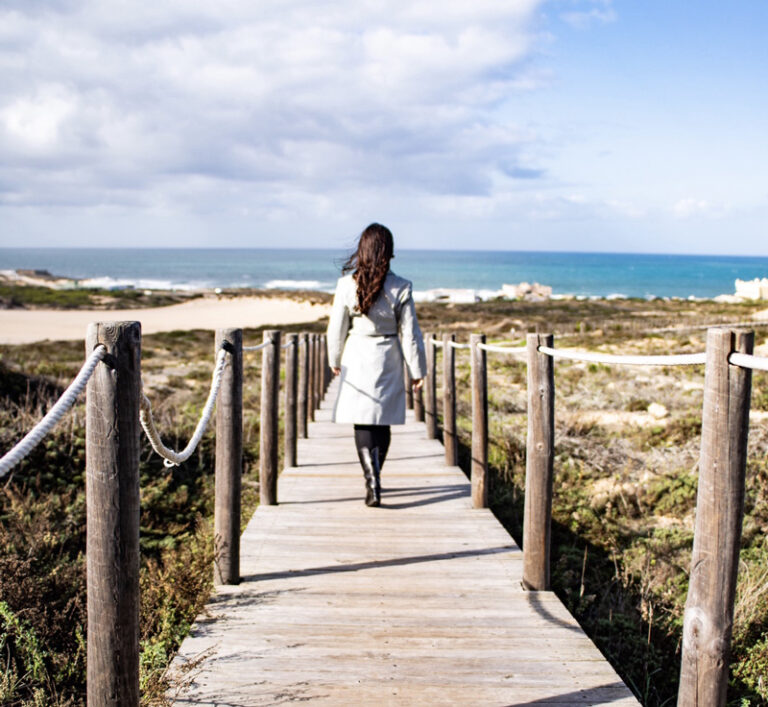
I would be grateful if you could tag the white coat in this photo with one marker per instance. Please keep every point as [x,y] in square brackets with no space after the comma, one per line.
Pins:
[370,350]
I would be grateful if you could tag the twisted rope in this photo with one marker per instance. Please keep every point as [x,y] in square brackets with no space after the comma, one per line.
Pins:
[436,343]
[171,457]
[514,350]
[456,345]
[746,361]
[674,360]
[286,345]
[259,347]
[60,408]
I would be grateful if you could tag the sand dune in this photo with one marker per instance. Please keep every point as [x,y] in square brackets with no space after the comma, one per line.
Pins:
[21,326]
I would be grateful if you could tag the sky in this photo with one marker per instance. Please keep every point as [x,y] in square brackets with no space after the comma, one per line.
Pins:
[576,125]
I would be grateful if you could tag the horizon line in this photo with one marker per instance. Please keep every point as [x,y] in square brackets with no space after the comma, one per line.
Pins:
[425,250]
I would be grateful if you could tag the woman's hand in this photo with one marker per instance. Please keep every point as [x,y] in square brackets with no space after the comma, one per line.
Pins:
[336,371]
[418,383]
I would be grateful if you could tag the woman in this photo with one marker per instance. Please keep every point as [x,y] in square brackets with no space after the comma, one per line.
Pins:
[372,330]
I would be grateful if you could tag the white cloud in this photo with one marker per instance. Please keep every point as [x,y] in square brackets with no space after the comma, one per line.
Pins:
[175,102]
[690,207]
[588,13]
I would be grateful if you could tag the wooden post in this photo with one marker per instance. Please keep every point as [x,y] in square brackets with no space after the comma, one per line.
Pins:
[418,404]
[270,391]
[708,621]
[430,394]
[311,378]
[318,371]
[326,367]
[303,384]
[449,401]
[479,468]
[323,367]
[408,387]
[291,385]
[540,454]
[112,502]
[229,460]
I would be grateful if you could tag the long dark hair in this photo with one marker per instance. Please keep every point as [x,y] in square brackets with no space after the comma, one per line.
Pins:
[370,264]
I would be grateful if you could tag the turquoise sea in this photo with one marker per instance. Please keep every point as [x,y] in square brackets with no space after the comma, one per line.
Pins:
[589,274]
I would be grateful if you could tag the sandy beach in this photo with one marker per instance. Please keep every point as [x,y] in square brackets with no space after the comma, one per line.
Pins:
[24,326]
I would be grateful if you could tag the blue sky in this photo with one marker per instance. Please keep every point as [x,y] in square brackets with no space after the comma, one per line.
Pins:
[503,124]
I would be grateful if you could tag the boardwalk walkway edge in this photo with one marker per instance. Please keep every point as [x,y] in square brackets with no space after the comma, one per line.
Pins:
[417,602]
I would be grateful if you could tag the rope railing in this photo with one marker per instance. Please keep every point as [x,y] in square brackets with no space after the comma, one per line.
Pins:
[15,455]
[594,357]
[116,411]
[170,456]
[457,345]
[495,348]
[437,344]
[757,363]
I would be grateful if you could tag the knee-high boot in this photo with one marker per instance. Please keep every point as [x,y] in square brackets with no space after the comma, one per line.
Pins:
[369,460]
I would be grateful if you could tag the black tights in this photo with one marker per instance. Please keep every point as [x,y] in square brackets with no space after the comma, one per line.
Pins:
[372,436]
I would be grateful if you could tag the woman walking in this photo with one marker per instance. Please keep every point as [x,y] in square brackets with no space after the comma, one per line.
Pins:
[371,332]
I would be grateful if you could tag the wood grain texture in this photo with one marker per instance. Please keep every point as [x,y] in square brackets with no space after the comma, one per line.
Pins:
[430,394]
[450,441]
[291,398]
[312,385]
[418,601]
[479,465]
[708,618]
[112,502]
[539,460]
[418,404]
[229,460]
[408,387]
[303,384]
[270,397]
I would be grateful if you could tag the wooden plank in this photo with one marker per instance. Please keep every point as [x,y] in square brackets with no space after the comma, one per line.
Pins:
[419,601]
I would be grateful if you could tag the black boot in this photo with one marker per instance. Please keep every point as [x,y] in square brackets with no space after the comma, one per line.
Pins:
[370,463]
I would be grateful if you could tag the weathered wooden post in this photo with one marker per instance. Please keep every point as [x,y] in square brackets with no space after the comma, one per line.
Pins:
[303,384]
[112,503]
[270,391]
[708,621]
[540,454]
[418,404]
[318,371]
[291,386]
[449,401]
[229,460]
[323,368]
[430,394]
[479,467]
[311,348]
[326,367]
[408,387]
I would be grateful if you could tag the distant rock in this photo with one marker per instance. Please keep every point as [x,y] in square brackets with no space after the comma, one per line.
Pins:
[527,291]
[756,289]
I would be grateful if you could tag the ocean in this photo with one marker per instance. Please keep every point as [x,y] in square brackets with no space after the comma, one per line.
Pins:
[581,274]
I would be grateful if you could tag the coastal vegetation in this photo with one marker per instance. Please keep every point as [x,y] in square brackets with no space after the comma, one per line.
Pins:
[625,479]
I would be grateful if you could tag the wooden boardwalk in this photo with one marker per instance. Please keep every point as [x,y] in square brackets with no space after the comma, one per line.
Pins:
[416,602]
